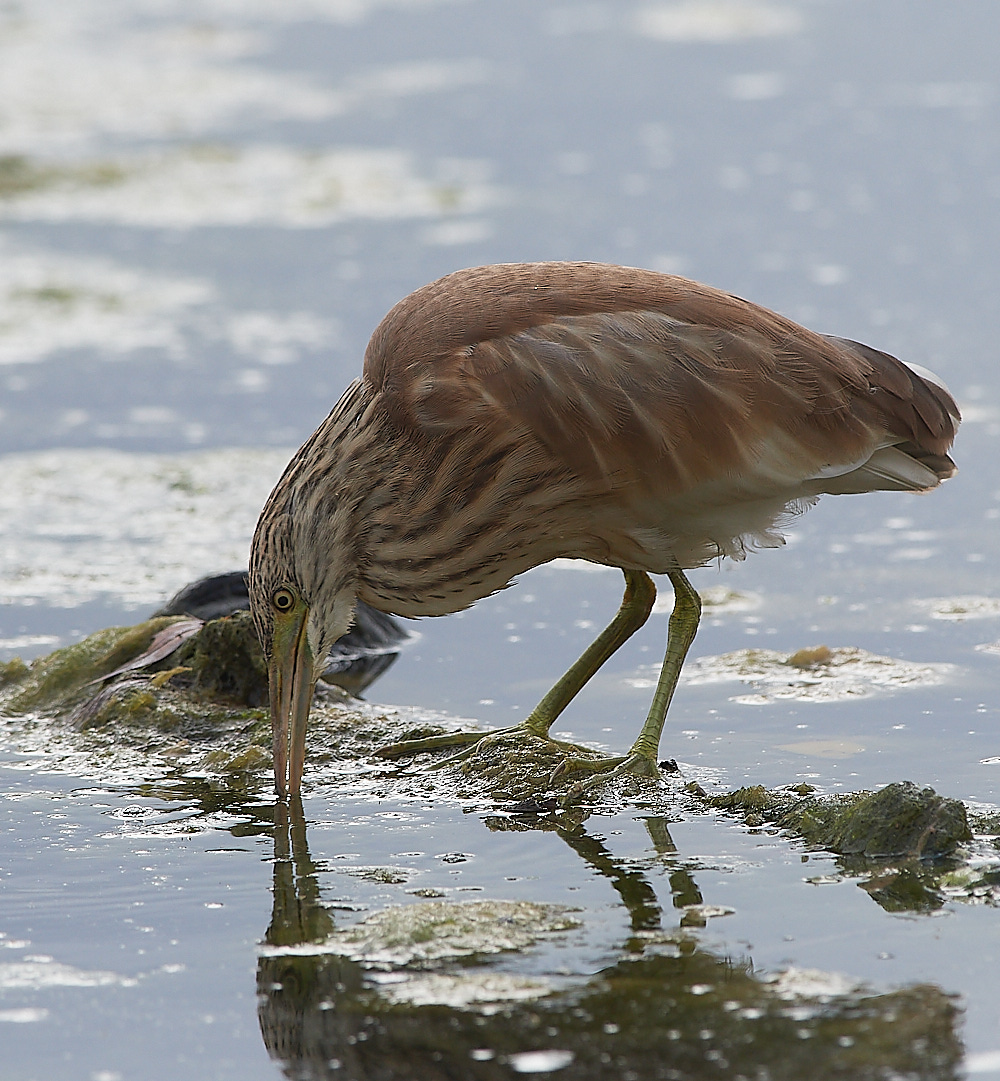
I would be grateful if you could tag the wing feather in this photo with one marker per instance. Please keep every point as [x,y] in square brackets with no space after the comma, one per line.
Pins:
[650,382]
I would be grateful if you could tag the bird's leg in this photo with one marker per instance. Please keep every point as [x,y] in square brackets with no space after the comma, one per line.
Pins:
[642,756]
[637,603]
[684,620]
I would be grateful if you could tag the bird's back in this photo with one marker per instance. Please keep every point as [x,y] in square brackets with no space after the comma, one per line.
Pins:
[673,422]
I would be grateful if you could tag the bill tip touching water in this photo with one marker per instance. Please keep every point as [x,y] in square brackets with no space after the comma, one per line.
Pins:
[508,415]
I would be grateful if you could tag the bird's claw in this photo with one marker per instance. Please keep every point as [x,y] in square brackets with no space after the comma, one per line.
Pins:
[562,768]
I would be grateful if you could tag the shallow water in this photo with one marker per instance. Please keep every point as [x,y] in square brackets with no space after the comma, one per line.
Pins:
[200,223]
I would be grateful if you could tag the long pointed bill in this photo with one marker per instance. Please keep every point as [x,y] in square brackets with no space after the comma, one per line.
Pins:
[290,683]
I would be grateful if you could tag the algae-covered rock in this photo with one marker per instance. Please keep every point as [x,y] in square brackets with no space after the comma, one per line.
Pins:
[63,678]
[174,690]
[225,662]
[202,643]
[752,798]
[910,849]
[899,821]
[109,674]
[221,662]
[148,690]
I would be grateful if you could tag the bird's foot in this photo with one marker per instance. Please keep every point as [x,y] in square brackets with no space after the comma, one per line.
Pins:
[521,761]
[517,762]
[602,770]
[468,743]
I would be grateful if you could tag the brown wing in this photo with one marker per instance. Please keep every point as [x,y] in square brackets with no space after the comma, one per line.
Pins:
[913,404]
[625,374]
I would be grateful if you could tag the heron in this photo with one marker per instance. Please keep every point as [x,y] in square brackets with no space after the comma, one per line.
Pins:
[511,414]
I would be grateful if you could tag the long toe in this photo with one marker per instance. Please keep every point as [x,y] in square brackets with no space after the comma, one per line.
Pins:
[634,764]
[408,747]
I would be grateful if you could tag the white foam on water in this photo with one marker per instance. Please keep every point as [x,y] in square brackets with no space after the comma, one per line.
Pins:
[53,302]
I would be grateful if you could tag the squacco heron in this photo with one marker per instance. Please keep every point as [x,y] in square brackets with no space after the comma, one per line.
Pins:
[508,415]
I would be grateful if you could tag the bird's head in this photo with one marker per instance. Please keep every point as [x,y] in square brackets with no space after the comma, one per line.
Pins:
[302,596]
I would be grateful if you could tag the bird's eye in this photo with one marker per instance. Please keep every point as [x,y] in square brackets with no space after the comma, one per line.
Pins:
[283,599]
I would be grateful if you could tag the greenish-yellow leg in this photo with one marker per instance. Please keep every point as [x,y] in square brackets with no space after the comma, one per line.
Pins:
[683,627]
[641,758]
[633,613]
[636,605]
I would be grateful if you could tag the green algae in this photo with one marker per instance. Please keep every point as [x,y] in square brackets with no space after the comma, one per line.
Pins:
[221,664]
[224,663]
[910,849]
[899,821]
[133,705]
[206,711]
[61,679]
[248,760]
[20,175]
[428,932]
[514,764]
[12,671]
[202,706]
[752,798]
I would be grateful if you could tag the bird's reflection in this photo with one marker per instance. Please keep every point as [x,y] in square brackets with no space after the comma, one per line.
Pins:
[669,1009]
[906,885]
[297,916]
